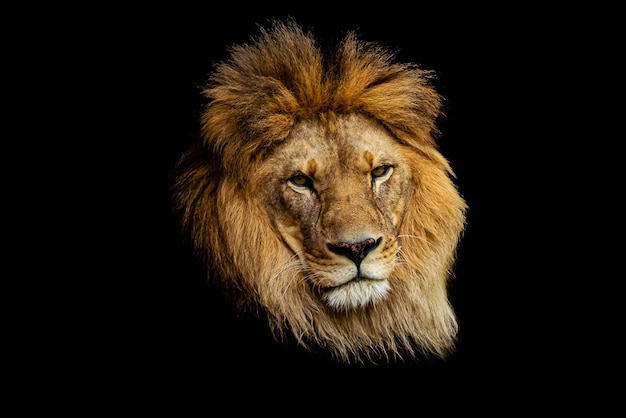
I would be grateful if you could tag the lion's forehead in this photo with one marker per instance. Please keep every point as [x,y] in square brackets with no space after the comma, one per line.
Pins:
[352,141]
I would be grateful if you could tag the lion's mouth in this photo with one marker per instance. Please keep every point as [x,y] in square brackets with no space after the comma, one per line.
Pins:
[349,282]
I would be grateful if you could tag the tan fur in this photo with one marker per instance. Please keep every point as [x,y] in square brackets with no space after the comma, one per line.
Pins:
[279,108]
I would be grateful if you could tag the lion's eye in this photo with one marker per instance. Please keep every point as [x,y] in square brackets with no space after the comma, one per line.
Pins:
[301,181]
[381,172]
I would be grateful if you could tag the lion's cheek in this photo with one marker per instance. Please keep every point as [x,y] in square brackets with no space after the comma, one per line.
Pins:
[292,236]
[395,203]
[290,216]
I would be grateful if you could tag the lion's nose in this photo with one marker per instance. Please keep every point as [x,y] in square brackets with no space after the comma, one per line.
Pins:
[355,251]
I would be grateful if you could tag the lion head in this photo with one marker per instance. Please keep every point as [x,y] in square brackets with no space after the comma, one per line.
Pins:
[317,195]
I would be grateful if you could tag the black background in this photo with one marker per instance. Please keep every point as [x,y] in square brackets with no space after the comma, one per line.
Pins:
[530,118]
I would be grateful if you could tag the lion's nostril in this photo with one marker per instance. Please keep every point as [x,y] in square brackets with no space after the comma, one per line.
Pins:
[355,251]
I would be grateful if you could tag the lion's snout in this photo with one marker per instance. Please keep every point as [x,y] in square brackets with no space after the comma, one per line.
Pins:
[357,251]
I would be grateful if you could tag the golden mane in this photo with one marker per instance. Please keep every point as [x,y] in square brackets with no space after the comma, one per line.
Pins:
[253,102]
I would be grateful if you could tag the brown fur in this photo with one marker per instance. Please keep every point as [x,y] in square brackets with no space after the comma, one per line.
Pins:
[274,94]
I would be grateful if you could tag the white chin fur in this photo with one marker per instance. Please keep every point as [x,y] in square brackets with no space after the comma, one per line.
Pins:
[356,294]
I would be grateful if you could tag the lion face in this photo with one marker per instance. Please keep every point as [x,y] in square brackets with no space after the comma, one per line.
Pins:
[336,197]
[317,197]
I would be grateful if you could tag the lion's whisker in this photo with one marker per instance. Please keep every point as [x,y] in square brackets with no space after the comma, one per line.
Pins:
[400,259]
[292,262]
[416,237]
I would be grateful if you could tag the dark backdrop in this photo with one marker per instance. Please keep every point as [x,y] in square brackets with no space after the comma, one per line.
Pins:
[528,92]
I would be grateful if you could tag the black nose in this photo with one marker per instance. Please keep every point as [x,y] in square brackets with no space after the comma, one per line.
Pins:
[355,251]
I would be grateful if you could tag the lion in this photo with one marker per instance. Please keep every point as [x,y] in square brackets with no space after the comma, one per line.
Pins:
[316,196]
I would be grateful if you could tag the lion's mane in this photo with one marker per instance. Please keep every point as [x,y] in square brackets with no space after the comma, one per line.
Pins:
[254,99]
